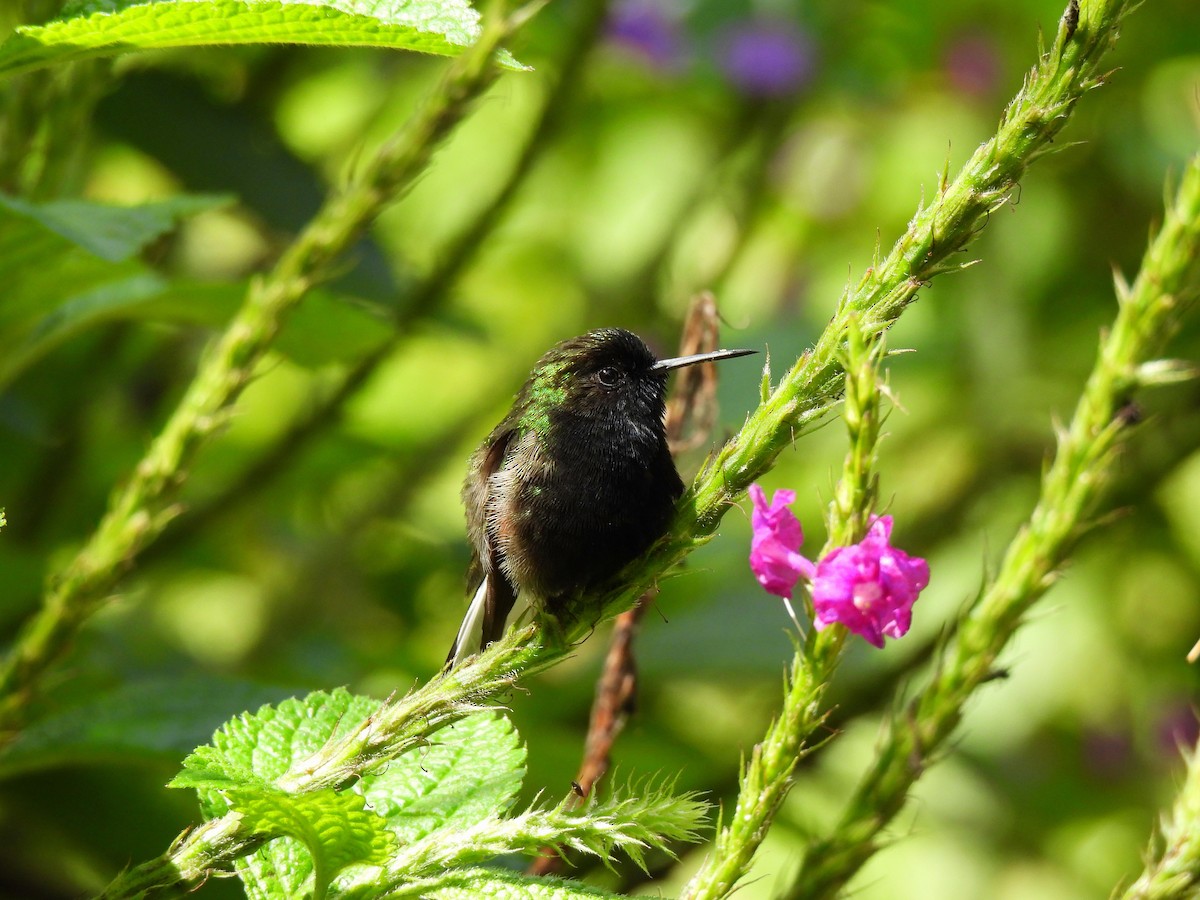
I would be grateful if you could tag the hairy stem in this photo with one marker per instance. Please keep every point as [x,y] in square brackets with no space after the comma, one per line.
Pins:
[1071,487]
[767,777]
[141,508]
[1173,863]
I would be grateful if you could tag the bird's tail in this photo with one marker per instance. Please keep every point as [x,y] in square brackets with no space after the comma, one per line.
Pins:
[470,633]
[486,622]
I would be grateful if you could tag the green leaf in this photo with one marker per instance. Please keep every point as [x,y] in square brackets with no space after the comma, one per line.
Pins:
[247,754]
[257,748]
[483,883]
[472,769]
[152,720]
[114,233]
[109,27]
[335,827]
[469,771]
[68,264]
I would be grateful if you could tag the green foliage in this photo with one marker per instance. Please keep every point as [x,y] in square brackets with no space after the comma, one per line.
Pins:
[70,264]
[232,432]
[509,886]
[90,28]
[419,818]
[152,719]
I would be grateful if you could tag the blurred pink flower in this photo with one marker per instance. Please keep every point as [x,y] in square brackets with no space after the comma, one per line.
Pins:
[777,537]
[869,587]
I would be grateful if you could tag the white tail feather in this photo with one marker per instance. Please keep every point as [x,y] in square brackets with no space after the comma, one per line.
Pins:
[470,633]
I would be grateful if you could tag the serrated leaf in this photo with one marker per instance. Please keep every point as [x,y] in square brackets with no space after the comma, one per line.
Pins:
[257,748]
[336,828]
[471,769]
[247,754]
[473,884]
[158,719]
[108,27]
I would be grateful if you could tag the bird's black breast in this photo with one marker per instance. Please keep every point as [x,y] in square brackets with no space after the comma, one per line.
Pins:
[599,497]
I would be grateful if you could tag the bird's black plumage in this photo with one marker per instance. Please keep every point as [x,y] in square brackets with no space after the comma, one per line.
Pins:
[573,484]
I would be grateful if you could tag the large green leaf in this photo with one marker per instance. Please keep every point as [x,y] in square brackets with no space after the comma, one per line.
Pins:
[337,829]
[470,770]
[68,265]
[114,233]
[109,27]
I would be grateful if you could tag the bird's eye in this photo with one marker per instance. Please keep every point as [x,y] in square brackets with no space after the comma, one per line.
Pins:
[608,376]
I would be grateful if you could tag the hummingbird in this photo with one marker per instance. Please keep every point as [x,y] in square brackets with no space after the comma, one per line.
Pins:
[573,484]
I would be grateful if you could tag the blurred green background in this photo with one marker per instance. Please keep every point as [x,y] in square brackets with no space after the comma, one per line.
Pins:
[759,149]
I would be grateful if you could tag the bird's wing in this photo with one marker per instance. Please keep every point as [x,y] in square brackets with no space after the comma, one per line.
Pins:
[492,595]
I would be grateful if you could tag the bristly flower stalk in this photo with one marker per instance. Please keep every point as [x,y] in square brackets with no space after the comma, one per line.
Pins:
[142,507]
[767,776]
[1173,861]
[935,235]
[857,490]
[1082,468]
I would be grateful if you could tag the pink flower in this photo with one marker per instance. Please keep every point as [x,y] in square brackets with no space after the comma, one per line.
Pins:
[870,586]
[774,559]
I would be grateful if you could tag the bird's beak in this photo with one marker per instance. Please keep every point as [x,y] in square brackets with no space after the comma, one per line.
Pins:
[663,364]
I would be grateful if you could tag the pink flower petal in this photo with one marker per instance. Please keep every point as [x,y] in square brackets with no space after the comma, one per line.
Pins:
[869,587]
[776,540]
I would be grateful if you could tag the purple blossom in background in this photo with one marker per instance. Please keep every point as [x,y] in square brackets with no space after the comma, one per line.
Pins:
[646,28]
[1177,728]
[869,587]
[972,65]
[773,547]
[766,57]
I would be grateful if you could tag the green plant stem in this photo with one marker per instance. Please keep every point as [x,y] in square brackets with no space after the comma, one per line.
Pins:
[1173,862]
[632,824]
[1070,68]
[45,120]
[767,777]
[140,509]
[1033,118]
[45,117]
[197,854]
[424,299]
[399,725]
[1071,486]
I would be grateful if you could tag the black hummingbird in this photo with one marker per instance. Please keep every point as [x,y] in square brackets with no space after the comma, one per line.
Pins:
[574,483]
